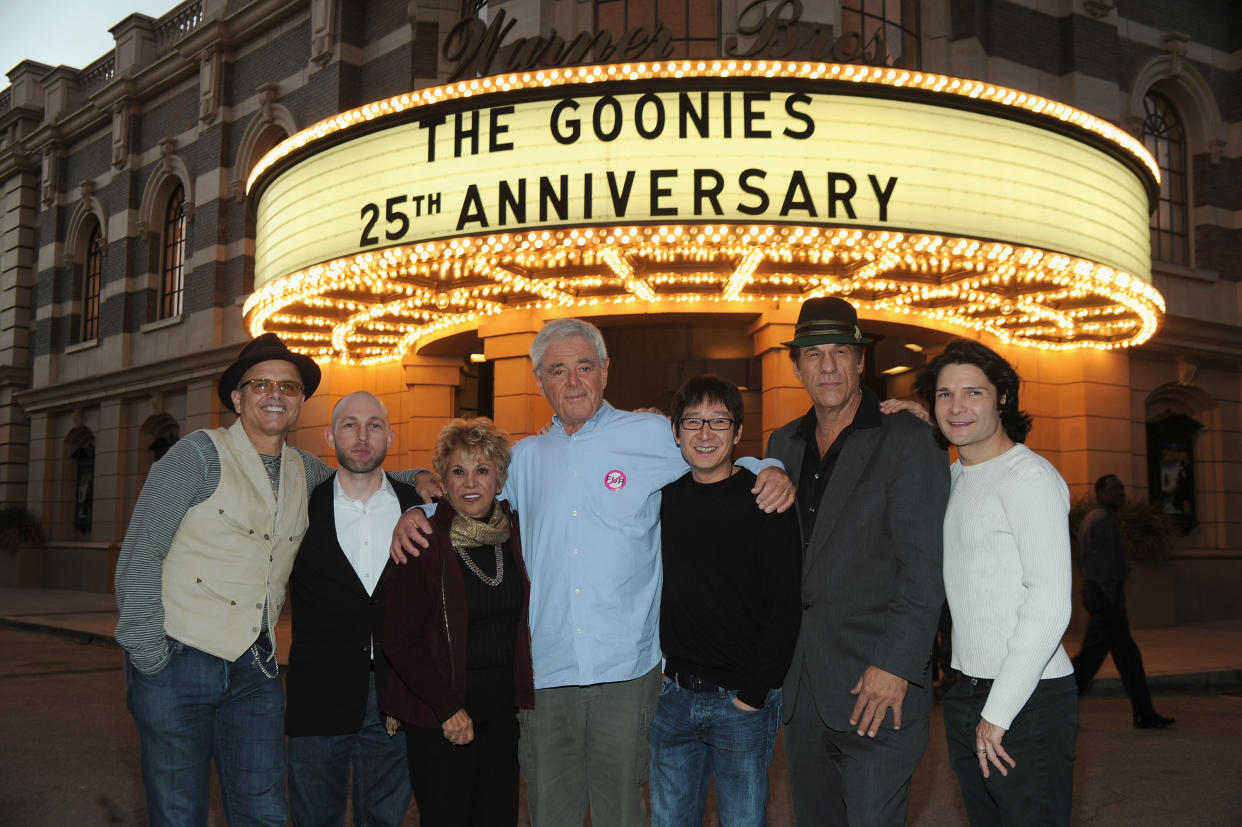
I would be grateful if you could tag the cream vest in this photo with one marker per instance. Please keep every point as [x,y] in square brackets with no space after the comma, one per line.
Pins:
[234,552]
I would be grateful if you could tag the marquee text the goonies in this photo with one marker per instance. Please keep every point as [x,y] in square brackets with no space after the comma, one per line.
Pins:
[816,191]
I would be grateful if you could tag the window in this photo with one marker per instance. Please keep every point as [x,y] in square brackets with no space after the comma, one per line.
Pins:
[172,280]
[83,457]
[694,25]
[1165,139]
[166,436]
[894,22]
[92,279]
[1171,467]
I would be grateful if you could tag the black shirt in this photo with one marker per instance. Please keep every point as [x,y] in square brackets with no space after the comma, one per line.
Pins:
[817,470]
[730,607]
[495,615]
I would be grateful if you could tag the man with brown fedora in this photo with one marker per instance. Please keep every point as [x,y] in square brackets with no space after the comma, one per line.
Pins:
[872,491]
[200,583]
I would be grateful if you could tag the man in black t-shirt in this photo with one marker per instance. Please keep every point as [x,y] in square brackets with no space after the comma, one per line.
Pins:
[729,616]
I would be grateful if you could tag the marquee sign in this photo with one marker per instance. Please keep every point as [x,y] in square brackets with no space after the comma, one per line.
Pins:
[473,185]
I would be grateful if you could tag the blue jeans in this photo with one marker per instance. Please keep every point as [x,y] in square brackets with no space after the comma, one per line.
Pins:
[201,708]
[1039,790]
[696,733]
[319,768]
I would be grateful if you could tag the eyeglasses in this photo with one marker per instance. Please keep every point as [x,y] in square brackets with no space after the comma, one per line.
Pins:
[287,386]
[718,423]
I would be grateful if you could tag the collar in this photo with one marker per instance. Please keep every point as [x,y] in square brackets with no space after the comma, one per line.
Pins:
[604,413]
[341,498]
[867,416]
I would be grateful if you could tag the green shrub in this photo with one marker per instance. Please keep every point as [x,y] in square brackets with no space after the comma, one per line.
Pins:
[18,526]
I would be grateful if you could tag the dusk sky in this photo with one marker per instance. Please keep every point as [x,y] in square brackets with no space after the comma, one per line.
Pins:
[70,32]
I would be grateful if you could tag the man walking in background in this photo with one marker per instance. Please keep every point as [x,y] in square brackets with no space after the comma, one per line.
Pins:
[1102,559]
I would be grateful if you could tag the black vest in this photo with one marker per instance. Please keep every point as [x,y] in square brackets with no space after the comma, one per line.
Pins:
[334,622]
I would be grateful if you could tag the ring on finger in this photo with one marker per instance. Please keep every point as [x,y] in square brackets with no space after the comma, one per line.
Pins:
[981,750]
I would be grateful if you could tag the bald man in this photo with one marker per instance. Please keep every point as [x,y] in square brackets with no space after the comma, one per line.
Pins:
[337,669]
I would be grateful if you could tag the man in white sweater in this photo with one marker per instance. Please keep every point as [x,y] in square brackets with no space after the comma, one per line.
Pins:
[1012,717]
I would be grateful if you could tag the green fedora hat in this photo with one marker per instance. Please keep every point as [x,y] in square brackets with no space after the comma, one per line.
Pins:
[827,320]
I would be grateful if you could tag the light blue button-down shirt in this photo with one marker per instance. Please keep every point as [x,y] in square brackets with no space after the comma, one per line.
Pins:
[590,514]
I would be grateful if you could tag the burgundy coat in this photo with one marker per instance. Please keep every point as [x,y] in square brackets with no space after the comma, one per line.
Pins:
[425,624]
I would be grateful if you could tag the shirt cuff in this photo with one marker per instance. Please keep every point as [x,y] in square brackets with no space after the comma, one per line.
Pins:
[151,663]
[754,465]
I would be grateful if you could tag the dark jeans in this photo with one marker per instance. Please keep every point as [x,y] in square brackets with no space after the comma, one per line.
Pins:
[1108,630]
[839,777]
[1040,740]
[474,785]
[201,708]
[319,770]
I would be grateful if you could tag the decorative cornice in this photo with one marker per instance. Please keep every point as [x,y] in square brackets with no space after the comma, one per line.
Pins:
[174,66]
[129,382]
[1098,8]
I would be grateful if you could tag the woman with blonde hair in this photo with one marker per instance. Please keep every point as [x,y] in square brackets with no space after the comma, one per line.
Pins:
[456,633]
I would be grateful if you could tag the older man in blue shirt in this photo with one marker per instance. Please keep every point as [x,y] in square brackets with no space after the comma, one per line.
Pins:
[588,493]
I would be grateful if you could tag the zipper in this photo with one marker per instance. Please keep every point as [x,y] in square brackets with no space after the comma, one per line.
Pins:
[448,635]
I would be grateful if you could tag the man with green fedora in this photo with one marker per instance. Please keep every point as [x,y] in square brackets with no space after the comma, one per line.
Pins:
[872,491]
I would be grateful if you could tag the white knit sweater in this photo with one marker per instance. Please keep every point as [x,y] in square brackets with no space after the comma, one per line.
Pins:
[1007,574]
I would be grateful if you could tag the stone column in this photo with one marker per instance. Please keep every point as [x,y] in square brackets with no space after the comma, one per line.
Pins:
[783,395]
[18,217]
[1081,404]
[40,487]
[113,440]
[520,408]
[429,401]
[202,409]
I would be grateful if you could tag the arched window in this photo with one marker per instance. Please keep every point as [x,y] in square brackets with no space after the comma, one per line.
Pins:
[91,284]
[166,435]
[1165,139]
[1171,467]
[172,281]
[894,22]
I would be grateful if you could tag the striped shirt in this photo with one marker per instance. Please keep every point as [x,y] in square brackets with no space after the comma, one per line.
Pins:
[184,477]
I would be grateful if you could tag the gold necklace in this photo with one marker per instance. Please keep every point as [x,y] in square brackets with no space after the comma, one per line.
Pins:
[478,572]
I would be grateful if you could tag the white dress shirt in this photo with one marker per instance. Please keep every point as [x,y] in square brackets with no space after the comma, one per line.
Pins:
[364,529]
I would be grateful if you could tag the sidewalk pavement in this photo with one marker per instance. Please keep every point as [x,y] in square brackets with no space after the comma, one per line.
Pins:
[1195,658]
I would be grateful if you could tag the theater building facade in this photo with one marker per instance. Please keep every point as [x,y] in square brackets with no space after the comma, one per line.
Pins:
[408,190]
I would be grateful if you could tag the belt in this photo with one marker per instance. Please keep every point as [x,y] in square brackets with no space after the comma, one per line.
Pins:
[982,683]
[693,684]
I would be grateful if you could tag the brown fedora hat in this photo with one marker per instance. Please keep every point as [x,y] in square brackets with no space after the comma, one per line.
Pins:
[266,348]
[827,320]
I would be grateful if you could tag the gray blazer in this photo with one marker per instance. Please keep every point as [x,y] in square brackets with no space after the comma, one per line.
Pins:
[872,584]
